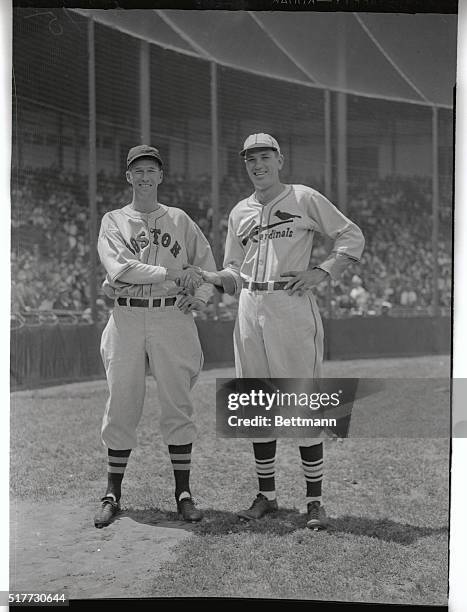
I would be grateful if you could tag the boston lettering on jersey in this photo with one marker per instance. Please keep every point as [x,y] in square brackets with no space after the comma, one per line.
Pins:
[141,241]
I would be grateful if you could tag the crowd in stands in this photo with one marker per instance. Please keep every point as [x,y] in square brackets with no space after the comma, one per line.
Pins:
[50,256]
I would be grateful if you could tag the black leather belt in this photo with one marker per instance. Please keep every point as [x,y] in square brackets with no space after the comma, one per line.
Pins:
[271,286]
[145,303]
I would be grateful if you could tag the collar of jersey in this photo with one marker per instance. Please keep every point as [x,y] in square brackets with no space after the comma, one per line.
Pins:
[254,201]
[131,212]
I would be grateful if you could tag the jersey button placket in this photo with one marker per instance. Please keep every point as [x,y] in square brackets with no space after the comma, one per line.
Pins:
[259,257]
[153,251]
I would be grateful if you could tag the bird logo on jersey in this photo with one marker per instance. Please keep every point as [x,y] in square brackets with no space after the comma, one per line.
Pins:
[285,216]
[257,232]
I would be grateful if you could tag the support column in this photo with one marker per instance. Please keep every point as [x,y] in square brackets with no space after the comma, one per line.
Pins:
[435,210]
[76,144]
[215,175]
[342,151]
[144,92]
[328,180]
[92,180]
[327,145]
[60,140]
[342,115]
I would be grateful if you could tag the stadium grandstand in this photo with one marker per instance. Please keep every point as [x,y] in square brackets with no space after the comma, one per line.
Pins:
[365,116]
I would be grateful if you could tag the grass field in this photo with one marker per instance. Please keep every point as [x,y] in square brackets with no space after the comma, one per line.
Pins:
[387,499]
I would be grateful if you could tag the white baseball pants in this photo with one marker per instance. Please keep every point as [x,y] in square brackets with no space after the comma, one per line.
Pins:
[169,339]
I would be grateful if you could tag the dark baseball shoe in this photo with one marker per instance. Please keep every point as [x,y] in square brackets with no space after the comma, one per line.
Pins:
[316,516]
[188,511]
[261,506]
[108,509]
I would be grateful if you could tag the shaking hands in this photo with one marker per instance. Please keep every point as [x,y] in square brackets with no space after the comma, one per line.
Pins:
[190,278]
[202,275]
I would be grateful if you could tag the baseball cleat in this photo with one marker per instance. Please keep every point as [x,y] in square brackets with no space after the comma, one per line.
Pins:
[261,506]
[109,508]
[188,511]
[316,516]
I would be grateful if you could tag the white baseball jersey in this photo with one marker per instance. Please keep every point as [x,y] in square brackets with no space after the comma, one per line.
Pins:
[279,335]
[264,241]
[136,249]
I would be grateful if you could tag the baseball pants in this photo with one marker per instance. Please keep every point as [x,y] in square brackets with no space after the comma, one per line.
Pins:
[169,340]
[278,336]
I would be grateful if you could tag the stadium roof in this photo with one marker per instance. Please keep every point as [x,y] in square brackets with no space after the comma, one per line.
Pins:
[404,57]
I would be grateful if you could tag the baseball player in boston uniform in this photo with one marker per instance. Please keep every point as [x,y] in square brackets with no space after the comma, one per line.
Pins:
[143,247]
[278,332]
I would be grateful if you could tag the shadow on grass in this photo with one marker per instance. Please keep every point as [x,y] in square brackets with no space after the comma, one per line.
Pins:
[155,517]
[284,521]
[382,529]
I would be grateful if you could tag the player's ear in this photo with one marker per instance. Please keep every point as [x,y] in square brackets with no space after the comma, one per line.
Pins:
[161,175]
[280,160]
[128,177]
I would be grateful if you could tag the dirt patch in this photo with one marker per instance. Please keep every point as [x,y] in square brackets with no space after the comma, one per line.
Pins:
[55,547]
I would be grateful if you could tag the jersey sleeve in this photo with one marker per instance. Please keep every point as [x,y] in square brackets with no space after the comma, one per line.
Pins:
[119,261]
[233,260]
[199,254]
[347,237]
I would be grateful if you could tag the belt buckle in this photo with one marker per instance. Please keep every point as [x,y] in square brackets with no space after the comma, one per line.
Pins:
[270,288]
[160,302]
[250,285]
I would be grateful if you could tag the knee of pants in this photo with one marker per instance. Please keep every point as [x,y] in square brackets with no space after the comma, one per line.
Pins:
[118,436]
[310,442]
[194,378]
[178,433]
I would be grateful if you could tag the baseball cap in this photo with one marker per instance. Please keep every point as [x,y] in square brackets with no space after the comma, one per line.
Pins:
[258,141]
[142,151]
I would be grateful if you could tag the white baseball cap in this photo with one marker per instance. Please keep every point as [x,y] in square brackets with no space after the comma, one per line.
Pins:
[260,141]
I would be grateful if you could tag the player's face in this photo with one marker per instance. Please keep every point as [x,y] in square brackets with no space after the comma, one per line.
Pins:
[263,166]
[144,175]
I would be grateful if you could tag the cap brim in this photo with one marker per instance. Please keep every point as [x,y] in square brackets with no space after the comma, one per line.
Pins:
[150,155]
[258,146]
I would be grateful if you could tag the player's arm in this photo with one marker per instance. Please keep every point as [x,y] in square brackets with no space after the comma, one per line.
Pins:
[234,254]
[348,244]
[227,280]
[347,237]
[200,258]
[120,263]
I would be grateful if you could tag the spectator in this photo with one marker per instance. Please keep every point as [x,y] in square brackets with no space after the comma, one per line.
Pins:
[408,296]
[359,295]
[393,212]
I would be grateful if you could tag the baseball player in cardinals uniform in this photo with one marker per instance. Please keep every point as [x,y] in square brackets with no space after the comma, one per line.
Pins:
[143,247]
[278,332]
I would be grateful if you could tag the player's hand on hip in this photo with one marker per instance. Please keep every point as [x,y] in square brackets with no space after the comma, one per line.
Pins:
[303,281]
[187,303]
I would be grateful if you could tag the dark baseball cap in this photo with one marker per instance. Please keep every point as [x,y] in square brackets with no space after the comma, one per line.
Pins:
[142,151]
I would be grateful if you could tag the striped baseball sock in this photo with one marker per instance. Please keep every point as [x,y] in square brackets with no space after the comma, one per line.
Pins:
[312,462]
[117,462]
[180,456]
[265,461]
